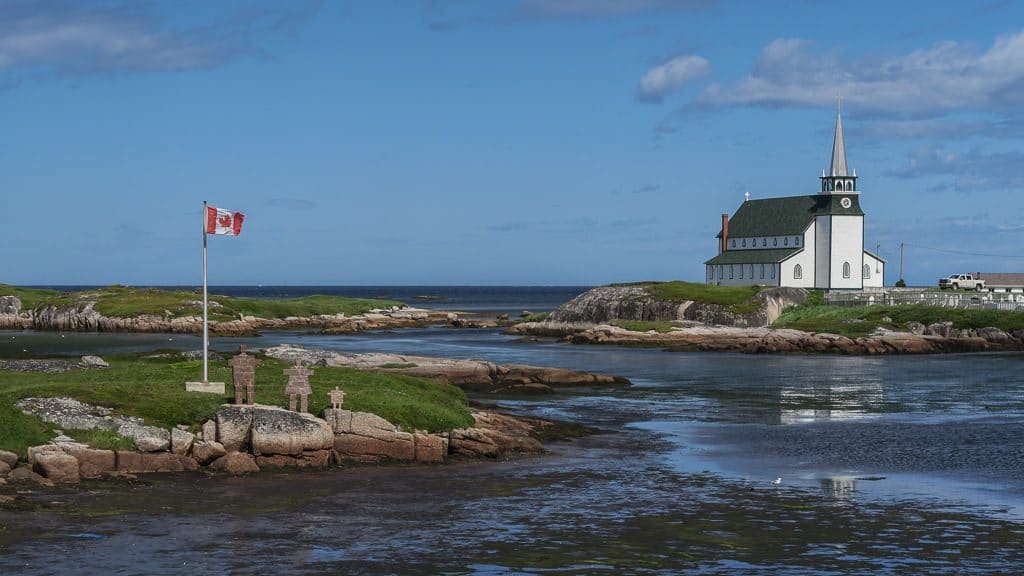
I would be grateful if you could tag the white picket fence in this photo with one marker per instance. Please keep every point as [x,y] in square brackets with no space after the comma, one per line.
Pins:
[948,298]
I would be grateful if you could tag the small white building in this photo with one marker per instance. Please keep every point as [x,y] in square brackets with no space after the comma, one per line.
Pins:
[813,241]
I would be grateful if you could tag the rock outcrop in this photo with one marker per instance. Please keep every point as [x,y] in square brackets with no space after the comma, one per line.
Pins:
[235,463]
[634,303]
[473,375]
[933,339]
[10,305]
[70,413]
[83,317]
[246,439]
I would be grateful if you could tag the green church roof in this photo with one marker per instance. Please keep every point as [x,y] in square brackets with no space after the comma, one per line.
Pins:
[789,215]
[770,256]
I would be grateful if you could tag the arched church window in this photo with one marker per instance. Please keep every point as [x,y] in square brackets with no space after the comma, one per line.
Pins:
[772,271]
[741,270]
[796,240]
[732,270]
[733,242]
[867,271]
[775,241]
[751,271]
[846,269]
[764,242]
[798,272]
[785,241]
[744,242]
[762,271]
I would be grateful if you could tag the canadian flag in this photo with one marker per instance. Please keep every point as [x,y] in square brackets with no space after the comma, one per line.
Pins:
[220,221]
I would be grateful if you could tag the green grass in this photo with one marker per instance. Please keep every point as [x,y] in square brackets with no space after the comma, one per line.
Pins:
[123,301]
[858,321]
[698,292]
[32,297]
[537,317]
[102,439]
[155,390]
[643,326]
[739,299]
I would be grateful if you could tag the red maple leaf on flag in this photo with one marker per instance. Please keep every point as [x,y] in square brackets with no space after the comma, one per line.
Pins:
[224,221]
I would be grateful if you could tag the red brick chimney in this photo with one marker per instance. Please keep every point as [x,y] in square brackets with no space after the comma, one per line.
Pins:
[725,231]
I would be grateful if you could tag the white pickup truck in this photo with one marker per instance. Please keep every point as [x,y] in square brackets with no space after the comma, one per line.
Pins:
[962,282]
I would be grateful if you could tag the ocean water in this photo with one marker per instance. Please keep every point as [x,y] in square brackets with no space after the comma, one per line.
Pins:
[886,465]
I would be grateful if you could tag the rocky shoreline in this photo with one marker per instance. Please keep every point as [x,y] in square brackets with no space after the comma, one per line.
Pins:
[934,339]
[85,318]
[707,327]
[470,375]
[249,438]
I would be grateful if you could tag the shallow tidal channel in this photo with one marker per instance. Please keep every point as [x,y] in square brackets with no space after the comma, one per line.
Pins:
[887,465]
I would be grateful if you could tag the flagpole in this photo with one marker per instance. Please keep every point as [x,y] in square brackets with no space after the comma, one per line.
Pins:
[206,330]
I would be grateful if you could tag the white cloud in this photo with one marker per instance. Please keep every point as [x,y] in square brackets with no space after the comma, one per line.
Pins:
[671,76]
[946,77]
[76,39]
[970,171]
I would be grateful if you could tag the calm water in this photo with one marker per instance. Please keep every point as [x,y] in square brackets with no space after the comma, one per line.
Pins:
[895,465]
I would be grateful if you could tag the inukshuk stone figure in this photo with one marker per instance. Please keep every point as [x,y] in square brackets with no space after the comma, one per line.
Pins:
[337,398]
[243,376]
[298,384]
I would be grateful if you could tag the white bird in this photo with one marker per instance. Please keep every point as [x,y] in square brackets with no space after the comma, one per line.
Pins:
[777,481]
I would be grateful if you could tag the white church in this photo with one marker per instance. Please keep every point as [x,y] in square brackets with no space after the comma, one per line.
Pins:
[813,241]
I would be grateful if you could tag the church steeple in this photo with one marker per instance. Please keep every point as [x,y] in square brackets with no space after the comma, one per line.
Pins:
[838,167]
[838,179]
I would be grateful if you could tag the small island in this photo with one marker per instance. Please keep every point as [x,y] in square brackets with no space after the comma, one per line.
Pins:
[130,309]
[688,316]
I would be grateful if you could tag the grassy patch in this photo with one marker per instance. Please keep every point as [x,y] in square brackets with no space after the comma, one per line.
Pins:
[538,317]
[643,326]
[123,301]
[725,295]
[102,439]
[857,321]
[739,299]
[32,297]
[154,389]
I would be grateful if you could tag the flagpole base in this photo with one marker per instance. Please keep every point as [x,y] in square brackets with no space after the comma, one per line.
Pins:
[205,387]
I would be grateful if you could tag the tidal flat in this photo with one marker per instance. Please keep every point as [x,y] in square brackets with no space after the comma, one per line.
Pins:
[886,465]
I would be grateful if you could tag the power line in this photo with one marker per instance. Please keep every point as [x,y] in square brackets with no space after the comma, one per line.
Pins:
[963,252]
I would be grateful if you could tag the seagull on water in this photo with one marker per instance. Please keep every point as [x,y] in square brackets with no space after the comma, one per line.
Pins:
[777,481]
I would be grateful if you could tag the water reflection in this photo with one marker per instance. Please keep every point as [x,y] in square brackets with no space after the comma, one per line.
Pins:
[840,488]
[828,400]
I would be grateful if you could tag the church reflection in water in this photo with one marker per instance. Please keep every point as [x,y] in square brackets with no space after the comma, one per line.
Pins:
[827,400]
[840,487]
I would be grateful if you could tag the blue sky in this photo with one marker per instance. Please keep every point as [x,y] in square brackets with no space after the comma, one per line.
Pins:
[494,142]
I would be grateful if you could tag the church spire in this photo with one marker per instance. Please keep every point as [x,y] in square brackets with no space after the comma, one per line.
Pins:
[838,167]
[837,179]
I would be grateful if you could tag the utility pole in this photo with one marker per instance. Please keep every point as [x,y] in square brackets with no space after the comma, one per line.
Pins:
[901,262]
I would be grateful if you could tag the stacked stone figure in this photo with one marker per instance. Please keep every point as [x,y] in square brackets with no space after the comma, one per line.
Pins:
[298,384]
[243,376]
[337,398]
